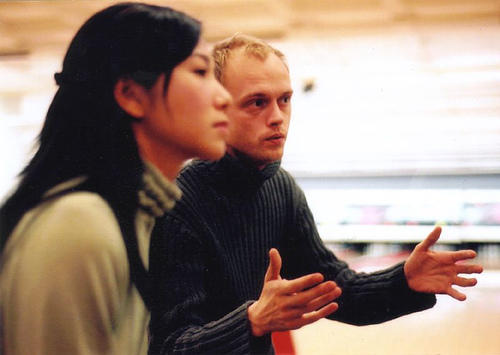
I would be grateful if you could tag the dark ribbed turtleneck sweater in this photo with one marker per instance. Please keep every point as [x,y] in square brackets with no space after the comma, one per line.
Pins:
[210,254]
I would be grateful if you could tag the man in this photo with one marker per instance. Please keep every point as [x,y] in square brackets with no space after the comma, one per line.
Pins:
[244,259]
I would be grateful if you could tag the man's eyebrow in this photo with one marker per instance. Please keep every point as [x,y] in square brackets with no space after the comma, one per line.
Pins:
[260,95]
[255,94]
[252,96]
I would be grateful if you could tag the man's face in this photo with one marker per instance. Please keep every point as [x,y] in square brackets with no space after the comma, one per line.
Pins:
[259,115]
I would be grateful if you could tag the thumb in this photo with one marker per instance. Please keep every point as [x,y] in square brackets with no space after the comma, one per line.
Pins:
[431,239]
[273,271]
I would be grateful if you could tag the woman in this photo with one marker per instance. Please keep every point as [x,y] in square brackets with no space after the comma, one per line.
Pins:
[137,97]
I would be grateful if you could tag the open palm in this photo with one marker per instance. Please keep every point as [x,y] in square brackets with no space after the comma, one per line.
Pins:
[437,272]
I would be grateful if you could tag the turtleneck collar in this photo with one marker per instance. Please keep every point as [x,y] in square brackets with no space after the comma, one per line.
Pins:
[232,174]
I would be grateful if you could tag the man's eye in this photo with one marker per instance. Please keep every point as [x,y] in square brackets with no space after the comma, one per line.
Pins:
[286,99]
[258,102]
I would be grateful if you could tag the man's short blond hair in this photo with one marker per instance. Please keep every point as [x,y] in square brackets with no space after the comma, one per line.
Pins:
[252,46]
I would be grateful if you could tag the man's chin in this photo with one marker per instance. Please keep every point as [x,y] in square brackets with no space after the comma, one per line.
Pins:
[275,155]
[268,159]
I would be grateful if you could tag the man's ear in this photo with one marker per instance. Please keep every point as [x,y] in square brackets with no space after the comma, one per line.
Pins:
[131,97]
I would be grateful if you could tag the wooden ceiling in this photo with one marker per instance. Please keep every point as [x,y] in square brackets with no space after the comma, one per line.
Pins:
[28,27]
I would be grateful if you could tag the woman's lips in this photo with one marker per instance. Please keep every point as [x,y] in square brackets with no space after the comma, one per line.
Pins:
[222,126]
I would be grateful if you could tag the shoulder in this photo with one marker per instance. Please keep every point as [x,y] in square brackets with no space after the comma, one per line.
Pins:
[194,171]
[197,182]
[83,204]
[283,174]
[285,187]
[284,179]
[81,209]
[76,225]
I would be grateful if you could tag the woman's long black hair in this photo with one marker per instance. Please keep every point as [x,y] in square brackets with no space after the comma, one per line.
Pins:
[85,132]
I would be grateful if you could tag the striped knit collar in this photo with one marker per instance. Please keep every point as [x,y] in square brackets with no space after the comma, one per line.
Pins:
[157,194]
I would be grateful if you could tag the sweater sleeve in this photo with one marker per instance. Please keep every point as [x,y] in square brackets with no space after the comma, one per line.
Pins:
[63,280]
[180,323]
[367,298]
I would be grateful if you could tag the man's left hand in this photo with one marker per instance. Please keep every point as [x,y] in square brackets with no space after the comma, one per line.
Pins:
[436,272]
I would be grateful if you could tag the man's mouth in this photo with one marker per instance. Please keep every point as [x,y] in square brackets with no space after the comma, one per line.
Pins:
[275,137]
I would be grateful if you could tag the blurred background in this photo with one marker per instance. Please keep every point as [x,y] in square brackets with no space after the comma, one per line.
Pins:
[395,129]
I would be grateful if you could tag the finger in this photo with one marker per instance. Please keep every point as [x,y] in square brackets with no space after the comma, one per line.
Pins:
[463,255]
[469,269]
[274,268]
[314,316]
[465,282]
[305,297]
[302,283]
[456,295]
[297,310]
[323,300]
[431,239]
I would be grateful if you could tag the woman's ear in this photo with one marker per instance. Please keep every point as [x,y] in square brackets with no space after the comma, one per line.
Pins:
[131,97]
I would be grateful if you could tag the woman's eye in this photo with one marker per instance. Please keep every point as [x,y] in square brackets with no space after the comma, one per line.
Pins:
[201,72]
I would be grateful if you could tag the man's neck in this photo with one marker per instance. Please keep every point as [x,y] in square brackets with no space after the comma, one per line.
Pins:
[245,159]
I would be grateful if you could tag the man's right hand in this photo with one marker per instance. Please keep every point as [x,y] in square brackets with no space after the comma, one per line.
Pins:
[291,304]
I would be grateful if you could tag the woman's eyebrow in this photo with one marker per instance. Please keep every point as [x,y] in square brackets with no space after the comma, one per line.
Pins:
[205,57]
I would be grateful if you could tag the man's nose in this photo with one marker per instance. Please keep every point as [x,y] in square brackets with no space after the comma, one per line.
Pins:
[276,115]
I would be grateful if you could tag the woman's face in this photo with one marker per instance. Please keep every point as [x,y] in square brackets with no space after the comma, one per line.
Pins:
[187,120]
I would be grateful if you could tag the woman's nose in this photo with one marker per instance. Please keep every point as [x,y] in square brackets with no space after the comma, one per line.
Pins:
[223,98]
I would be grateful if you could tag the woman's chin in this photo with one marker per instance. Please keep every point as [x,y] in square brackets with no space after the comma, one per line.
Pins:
[215,153]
